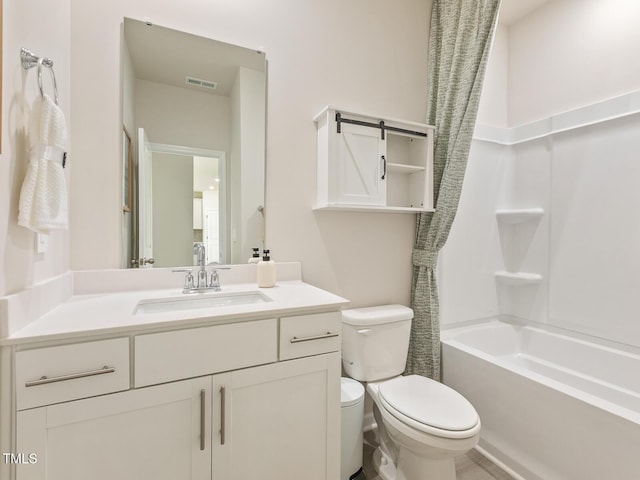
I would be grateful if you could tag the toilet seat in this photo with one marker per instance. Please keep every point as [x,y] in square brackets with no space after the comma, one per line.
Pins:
[429,406]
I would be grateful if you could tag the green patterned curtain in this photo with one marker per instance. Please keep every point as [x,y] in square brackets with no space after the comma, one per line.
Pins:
[459,45]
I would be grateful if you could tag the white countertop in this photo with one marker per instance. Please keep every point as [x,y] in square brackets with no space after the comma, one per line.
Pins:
[114,312]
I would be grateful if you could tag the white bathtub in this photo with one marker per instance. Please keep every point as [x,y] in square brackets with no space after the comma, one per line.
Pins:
[552,406]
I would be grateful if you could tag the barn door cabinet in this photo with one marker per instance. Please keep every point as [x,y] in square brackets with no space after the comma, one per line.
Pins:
[368,163]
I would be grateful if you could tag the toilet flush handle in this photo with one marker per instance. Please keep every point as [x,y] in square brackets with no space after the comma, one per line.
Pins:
[364,331]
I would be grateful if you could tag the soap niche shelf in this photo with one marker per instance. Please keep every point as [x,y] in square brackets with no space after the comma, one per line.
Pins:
[518,278]
[515,216]
[517,225]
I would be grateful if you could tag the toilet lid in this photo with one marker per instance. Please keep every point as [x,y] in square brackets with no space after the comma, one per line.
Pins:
[429,403]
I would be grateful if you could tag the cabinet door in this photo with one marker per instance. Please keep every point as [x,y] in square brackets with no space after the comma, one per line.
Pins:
[279,421]
[360,166]
[157,433]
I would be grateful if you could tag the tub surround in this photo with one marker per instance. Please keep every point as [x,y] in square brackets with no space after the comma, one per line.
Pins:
[544,173]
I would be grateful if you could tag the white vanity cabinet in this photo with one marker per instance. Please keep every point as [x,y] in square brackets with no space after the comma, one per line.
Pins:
[367,163]
[159,433]
[278,421]
[252,399]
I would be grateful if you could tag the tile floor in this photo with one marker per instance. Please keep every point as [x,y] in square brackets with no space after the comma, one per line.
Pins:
[471,466]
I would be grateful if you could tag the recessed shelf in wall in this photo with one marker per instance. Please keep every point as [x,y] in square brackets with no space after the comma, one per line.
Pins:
[519,215]
[518,278]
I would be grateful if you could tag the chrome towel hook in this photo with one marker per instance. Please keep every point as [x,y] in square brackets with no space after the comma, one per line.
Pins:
[30,60]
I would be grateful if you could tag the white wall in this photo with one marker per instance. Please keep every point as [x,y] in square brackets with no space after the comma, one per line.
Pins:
[181,116]
[585,178]
[493,106]
[364,55]
[571,53]
[42,27]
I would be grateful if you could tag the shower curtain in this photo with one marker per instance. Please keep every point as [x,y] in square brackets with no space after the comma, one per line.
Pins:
[459,45]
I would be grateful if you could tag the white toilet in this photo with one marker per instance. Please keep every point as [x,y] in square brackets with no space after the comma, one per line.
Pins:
[422,424]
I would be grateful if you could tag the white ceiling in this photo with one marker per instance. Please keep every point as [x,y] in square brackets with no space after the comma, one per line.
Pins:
[166,56]
[513,10]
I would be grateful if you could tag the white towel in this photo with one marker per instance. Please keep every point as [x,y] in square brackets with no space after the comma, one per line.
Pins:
[43,198]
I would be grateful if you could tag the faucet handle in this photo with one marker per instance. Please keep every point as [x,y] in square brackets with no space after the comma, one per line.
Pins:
[188,279]
[215,279]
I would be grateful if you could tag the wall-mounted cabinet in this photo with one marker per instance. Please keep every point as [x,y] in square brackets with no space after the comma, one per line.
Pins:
[368,163]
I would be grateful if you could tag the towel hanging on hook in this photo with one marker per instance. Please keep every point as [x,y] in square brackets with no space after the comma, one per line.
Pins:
[43,202]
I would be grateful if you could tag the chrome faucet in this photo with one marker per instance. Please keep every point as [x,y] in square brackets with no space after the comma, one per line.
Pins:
[199,251]
[199,284]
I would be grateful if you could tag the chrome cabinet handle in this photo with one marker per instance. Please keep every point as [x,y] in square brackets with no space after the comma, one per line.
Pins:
[314,337]
[222,415]
[202,412]
[72,376]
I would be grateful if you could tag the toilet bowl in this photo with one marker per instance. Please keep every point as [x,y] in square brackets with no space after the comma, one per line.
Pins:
[422,424]
[429,423]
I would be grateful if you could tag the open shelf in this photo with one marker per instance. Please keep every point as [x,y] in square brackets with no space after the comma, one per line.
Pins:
[518,278]
[368,163]
[519,215]
[369,208]
[403,168]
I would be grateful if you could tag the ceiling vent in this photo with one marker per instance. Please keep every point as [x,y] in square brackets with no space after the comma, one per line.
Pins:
[197,82]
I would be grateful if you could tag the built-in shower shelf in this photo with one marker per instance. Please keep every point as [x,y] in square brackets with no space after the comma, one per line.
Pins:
[518,278]
[519,215]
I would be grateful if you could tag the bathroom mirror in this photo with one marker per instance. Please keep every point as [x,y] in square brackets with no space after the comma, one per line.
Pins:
[198,110]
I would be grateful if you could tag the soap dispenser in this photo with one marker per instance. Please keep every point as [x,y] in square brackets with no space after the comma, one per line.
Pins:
[266,271]
[255,258]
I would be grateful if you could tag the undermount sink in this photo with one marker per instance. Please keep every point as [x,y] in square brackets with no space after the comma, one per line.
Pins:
[159,305]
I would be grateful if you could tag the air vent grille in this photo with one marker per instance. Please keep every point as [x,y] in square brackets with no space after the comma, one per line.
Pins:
[201,83]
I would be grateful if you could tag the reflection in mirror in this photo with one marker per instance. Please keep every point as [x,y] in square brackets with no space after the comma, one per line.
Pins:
[198,107]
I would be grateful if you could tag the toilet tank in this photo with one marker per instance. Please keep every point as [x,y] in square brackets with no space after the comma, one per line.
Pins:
[375,341]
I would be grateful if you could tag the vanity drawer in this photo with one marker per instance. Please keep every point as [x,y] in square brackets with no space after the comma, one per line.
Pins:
[68,372]
[306,335]
[167,356]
